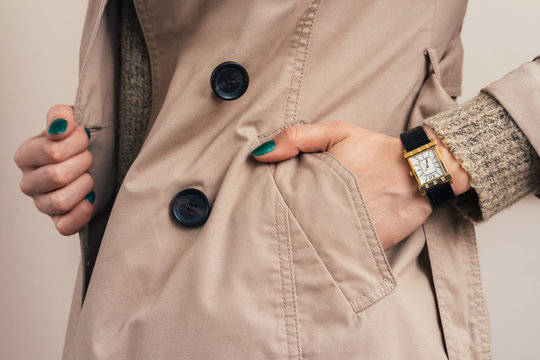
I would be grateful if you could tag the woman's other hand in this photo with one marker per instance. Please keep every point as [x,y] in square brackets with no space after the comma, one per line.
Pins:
[54,166]
[396,206]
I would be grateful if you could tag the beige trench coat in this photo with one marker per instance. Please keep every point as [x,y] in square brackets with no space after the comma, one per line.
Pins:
[288,265]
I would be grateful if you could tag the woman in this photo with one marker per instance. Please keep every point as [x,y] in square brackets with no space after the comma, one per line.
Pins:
[210,254]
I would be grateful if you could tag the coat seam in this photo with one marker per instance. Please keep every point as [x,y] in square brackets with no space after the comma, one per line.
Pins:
[281,128]
[315,4]
[387,281]
[364,293]
[384,272]
[293,287]
[281,276]
[284,290]
[329,273]
[478,299]
[382,265]
[440,291]
[434,60]
[299,62]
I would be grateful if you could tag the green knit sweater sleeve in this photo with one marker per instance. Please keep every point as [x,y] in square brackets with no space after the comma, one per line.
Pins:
[502,165]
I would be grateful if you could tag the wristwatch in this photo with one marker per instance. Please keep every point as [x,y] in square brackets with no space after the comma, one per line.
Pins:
[427,166]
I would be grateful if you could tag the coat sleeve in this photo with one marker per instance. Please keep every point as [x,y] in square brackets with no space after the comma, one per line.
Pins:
[519,93]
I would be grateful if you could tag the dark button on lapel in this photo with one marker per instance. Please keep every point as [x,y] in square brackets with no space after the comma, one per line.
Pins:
[190,207]
[229,80]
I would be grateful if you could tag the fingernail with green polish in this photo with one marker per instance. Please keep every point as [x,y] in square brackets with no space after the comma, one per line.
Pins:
[87,132]
[91,197]
[58,126]
[264,148]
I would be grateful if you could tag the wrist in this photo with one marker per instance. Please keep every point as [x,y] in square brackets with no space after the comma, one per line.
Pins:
[460,178]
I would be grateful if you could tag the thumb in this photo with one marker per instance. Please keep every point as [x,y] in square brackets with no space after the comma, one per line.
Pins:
[304,138]
[60,122]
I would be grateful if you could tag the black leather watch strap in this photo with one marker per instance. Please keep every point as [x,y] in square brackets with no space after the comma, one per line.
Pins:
[441,195]
[414,138]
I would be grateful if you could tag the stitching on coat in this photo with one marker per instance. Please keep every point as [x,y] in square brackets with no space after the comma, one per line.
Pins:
[281,275]
[440,290]
[311,246]
[432,56]
[281,128]
[382,270]
[376,259]
[443,308]
[380,262]
[285,114]
[299,61]
[478,298]
[308,41]
[293,288]
[287,289]
[369,293]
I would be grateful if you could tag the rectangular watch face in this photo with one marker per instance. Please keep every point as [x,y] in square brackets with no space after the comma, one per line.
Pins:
[427,166]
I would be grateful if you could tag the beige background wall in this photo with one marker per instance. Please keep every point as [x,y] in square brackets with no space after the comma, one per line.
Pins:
[38,68]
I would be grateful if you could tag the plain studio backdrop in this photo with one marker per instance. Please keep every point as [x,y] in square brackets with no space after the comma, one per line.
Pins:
[38,68]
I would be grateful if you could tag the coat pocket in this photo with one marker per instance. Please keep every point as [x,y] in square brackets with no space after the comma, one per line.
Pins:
[324,198]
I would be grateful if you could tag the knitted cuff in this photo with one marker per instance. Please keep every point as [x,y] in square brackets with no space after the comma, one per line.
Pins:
[502,165]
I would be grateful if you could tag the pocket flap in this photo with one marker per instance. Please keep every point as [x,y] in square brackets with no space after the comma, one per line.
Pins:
[324,197]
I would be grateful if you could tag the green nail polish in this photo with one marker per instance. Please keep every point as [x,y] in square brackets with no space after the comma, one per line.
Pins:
[58,126]
[87,132]
[91,197]
[264,148]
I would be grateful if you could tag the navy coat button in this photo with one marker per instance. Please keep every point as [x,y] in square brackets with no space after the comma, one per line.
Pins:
[229,80]
[190,207]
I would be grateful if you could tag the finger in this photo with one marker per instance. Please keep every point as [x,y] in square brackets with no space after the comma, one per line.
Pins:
[305,138]
[75,220]
[60,122]
[65,199]
[54,176]
[39,150]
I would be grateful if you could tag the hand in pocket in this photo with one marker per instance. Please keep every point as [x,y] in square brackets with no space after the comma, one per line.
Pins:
[395,205]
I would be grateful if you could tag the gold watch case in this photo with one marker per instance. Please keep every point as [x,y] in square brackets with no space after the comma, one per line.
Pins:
[427,166]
